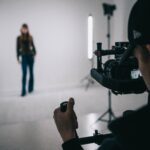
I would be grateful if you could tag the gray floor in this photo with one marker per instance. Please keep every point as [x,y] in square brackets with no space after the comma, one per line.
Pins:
[27,123]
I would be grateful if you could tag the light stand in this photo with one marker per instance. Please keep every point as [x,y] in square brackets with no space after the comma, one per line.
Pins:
[108,11]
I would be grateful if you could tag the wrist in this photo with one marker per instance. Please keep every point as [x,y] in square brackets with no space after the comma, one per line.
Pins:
[68,136]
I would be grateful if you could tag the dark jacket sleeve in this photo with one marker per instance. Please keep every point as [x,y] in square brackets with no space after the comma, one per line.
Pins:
[72,145]
[18,48]
[33,47]
[132,130]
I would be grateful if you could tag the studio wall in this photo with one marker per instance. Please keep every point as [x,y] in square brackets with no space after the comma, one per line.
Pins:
[59,29]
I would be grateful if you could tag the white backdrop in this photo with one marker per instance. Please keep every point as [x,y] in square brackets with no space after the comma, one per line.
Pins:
[59,28]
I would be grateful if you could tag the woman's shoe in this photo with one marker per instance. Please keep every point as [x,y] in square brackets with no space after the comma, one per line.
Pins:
[23,94]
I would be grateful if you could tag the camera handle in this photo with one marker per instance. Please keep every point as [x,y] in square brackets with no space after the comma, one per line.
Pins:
[97,138]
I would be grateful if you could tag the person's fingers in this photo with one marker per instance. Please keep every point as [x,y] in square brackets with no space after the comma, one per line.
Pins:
[75,119]
[75,116]
[56,111]
[76,124]
[70,105]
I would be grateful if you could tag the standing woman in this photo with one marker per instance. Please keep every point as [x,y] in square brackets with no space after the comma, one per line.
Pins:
[26,50]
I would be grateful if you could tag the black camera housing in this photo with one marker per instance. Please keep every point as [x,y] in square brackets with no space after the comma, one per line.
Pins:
[121,79]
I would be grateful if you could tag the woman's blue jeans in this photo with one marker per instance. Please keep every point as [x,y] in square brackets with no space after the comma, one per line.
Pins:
[27,63]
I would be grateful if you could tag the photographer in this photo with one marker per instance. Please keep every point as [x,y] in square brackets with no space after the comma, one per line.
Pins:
[132,131]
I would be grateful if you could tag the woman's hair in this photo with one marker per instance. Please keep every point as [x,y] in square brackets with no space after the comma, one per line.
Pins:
[25,36]
[25,25]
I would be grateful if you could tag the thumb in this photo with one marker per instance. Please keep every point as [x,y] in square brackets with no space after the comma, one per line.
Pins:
[70,104]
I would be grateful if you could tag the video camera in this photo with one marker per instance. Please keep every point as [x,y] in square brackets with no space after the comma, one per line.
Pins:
[120,78]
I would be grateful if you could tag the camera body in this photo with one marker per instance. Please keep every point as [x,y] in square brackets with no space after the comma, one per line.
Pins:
[120,78]
[127,71]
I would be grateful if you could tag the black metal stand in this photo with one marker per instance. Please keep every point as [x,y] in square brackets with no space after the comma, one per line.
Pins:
[110,112]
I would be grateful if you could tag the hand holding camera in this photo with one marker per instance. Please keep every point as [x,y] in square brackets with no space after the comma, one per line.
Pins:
[66,120]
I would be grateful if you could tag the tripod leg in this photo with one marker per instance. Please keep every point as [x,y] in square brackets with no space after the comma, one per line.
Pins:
[102,116]
[113,115]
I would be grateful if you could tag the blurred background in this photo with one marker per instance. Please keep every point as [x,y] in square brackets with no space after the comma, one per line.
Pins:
[59,28]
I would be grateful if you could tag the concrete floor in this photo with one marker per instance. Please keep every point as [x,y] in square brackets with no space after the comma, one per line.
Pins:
[27,123]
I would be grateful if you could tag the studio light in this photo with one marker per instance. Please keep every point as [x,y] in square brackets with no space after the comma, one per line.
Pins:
[90,37]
